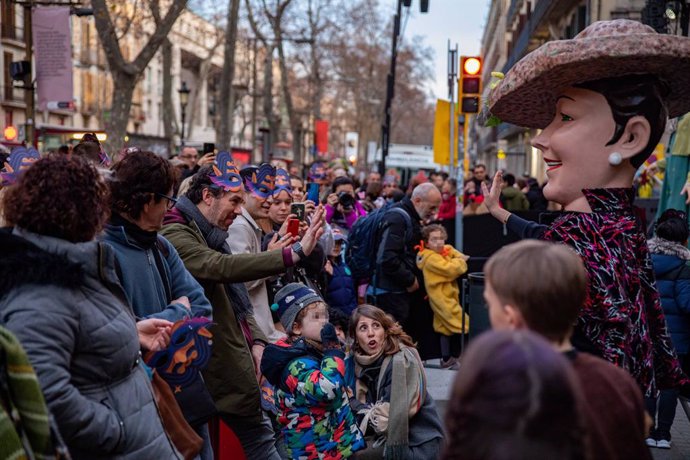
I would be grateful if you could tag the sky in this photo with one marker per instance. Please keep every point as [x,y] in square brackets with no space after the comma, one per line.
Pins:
[460,21]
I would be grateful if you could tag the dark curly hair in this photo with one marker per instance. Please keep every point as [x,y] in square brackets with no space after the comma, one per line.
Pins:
[136,179]
[61,197]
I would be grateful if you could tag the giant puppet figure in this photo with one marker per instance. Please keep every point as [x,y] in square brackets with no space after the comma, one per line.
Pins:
[602,100]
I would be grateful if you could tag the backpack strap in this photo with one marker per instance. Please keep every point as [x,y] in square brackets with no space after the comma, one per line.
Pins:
[160,253]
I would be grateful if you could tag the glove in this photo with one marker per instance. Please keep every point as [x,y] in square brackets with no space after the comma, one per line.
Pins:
[329,339]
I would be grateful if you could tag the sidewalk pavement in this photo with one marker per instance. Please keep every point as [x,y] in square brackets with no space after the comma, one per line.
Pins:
[440,381]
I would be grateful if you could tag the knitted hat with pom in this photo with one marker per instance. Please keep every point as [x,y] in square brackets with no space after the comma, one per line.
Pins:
[290,300]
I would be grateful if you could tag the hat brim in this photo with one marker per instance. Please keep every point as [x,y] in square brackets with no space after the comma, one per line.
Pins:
[528,93]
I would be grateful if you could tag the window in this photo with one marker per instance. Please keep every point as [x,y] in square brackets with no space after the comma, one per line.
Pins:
[8,93]
[9,29]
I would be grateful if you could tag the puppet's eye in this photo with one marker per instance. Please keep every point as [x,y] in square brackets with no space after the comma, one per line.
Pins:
[565,117]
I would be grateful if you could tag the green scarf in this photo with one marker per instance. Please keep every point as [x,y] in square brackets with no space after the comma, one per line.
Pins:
[25,430]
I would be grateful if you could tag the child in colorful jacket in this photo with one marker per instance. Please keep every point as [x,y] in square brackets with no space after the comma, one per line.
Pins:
[307,370]
[442,265]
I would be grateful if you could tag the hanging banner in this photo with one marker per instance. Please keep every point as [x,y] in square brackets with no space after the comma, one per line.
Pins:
[442,134]
[53,55]
[321,137]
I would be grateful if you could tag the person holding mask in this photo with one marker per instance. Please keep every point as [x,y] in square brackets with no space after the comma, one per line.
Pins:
[396,413]
[342,208]
[63,301]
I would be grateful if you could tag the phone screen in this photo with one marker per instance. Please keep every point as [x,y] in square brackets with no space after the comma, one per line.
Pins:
[313,192]
[298,210]
[293,227]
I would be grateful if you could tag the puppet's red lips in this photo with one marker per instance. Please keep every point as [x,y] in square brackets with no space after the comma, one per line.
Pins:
[552,164]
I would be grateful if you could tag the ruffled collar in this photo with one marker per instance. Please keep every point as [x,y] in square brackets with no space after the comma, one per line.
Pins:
[610,199]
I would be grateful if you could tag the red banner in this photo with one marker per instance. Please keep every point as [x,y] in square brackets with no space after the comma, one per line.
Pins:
[321,137]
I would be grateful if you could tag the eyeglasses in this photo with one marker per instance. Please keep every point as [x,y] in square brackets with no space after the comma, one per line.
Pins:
[171,200]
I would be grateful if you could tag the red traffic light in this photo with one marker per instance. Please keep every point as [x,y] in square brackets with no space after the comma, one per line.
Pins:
[10,133]
[471,65]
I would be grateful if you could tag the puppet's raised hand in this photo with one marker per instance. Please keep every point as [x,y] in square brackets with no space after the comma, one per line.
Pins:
[492,197]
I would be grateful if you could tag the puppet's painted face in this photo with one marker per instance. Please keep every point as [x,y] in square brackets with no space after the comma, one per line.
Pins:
[574,145]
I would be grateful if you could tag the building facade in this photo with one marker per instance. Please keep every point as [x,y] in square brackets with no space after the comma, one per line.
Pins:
[197,59]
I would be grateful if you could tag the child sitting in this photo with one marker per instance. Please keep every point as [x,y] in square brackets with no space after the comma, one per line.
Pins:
[340,292]
[307,370]
[541,287]
[441,265]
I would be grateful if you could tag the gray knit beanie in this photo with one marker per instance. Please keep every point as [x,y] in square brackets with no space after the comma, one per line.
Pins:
[290,300]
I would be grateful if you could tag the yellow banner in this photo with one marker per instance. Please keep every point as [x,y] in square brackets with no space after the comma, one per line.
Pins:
[442,133]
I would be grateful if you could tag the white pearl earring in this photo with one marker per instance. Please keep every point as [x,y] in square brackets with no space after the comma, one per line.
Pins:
[615,159]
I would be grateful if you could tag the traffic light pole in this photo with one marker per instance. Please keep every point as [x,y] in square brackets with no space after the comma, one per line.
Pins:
[452,76]
[29,126]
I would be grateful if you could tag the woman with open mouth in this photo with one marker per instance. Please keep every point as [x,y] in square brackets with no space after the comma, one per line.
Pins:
[602,100]
[393,408]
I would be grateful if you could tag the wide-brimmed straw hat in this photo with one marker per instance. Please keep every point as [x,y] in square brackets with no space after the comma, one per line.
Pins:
[527,95]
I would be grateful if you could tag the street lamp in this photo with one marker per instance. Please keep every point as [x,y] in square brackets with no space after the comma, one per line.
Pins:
[390,81]
[184,99]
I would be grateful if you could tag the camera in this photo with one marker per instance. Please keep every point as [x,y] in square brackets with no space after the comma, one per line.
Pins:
[346,200]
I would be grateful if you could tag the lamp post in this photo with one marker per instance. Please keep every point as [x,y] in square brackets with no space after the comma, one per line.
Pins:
[390,81]
[184,99]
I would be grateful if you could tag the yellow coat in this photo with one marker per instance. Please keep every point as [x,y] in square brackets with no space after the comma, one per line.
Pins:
[441,272]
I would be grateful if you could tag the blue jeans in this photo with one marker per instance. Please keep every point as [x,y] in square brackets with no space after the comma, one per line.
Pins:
[206,449]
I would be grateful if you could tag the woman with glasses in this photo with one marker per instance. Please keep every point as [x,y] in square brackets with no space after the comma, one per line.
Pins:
[151,272]
[670,257]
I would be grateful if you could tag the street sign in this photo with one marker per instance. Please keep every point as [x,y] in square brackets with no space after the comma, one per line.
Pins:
[60,105]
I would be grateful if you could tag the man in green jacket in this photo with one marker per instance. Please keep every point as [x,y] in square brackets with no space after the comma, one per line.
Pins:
[197,227]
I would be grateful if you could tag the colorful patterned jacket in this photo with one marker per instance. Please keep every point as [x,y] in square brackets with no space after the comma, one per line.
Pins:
[313,407]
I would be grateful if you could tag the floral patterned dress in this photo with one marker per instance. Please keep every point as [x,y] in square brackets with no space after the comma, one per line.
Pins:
[622,319]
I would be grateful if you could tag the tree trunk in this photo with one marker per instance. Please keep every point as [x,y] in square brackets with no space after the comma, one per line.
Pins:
[227,93]
[126,73]
[123,87]
[271,119]
[169,124]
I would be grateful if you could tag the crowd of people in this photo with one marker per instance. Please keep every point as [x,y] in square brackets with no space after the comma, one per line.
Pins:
[144,300]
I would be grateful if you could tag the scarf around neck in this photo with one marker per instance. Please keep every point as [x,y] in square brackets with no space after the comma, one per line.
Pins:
[143,238]
[216,240]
